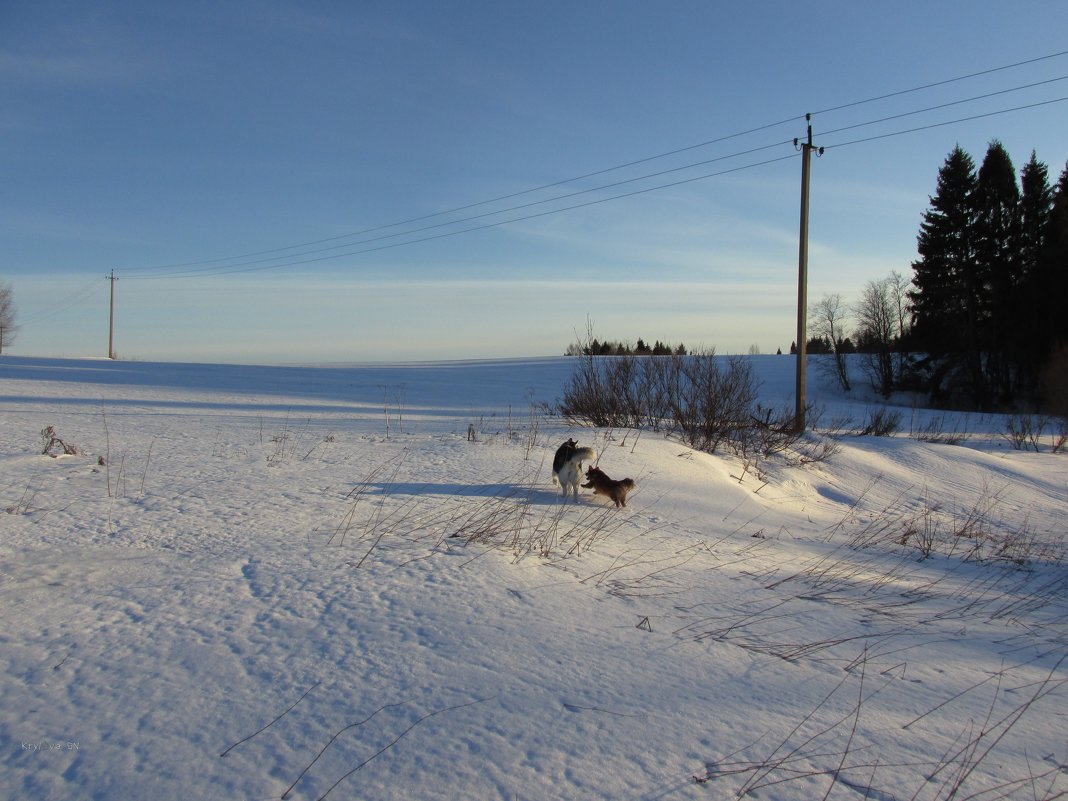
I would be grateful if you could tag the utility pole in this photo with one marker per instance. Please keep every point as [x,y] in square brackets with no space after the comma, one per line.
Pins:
[806,149]
[111,317]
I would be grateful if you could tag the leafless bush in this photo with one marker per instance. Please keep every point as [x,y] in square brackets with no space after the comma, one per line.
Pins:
[1026,432]
[1059,437]
[693,396]
[773,433]
[53,445]
[713,405]
[708,402]
[1019,429]
[813,449]
[587,397]
[936,431]
[881,422]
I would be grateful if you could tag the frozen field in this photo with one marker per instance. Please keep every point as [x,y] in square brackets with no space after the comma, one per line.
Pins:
[308,582]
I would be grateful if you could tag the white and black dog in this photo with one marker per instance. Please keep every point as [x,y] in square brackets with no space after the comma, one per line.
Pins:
[567,466]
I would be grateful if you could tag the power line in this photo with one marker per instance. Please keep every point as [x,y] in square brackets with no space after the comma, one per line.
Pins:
[948,122]
[941,106]
[943,82]
[258,266]
[297,259]
[681,182]
[520,207]
[513,195]
[67,303]
[476,204]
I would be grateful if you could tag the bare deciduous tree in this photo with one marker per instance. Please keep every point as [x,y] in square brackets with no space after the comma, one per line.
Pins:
[829,316]
[898,287]
[8,329]
[878,322]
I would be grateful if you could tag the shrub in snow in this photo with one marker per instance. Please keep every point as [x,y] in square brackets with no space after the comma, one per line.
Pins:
[53,445]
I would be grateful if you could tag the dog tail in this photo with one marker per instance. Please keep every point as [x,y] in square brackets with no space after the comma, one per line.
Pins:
[584,455]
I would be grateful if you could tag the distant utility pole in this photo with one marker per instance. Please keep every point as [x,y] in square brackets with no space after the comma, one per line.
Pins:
[806,149]
[111,317]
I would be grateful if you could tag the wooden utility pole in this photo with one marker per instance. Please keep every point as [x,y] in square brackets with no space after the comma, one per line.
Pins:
[806,149]
[111,317]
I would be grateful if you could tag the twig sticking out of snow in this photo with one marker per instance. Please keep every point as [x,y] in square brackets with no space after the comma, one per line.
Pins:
[264,728]
[331,742]
[380,751]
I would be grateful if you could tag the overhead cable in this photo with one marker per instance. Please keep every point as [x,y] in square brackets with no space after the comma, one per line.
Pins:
[466,207]
[680,182]
[947,122]
[943,82]
[945,105]
[484,215]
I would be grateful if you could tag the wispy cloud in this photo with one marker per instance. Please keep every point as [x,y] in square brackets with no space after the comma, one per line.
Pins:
[95,53]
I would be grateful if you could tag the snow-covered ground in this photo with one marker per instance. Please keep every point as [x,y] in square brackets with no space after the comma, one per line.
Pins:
[308,582]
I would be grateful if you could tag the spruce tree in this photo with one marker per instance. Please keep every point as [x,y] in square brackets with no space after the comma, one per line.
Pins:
[1053,269]
[1036,202]
[941,323]
[994,284]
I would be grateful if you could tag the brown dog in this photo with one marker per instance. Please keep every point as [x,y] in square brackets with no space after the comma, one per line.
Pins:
[610,488]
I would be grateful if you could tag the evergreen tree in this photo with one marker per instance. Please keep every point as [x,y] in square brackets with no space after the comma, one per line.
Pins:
[818,346]
[1036,203]
[946,256]
[993,285]
[1053,269]
[992,279]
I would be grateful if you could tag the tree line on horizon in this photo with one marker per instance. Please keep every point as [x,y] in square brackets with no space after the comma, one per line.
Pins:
[594,347]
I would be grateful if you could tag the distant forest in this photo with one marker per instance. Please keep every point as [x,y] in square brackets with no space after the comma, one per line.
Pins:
[595,347]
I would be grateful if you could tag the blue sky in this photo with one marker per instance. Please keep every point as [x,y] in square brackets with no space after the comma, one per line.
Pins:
[161,141]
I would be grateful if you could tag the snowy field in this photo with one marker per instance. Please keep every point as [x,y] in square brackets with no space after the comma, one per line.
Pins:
[267,582]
